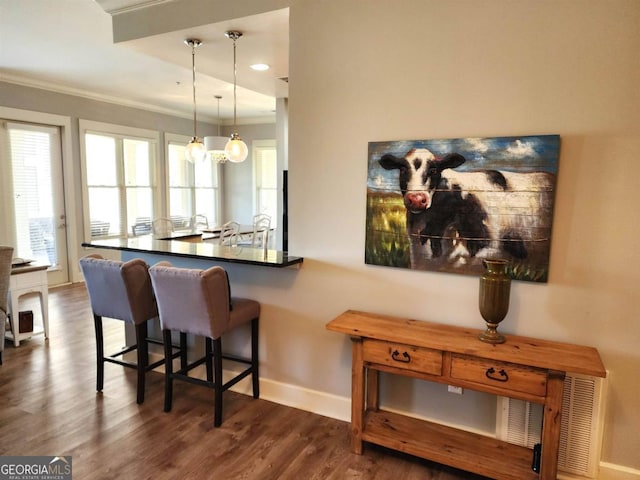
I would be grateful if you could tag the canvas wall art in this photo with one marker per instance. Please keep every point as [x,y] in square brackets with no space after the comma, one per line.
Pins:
[446,204]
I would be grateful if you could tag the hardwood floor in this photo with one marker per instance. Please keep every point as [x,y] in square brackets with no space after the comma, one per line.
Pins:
[49,406]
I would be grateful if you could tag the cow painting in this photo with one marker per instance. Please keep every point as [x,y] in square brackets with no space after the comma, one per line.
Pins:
[457,213]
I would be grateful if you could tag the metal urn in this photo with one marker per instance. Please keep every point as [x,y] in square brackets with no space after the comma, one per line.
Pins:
[493,298]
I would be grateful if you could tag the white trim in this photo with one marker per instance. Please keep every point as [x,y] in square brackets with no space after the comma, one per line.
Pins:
[114,7]
[113,128]
[611,471]
[68,169]
[124,102]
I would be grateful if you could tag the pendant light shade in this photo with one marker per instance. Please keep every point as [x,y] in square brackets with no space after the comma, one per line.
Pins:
[215,145]
[235,149]
[195,150]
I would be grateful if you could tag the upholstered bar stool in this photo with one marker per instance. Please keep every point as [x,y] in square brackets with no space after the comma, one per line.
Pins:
[6,254]
[123,291]
[199,302]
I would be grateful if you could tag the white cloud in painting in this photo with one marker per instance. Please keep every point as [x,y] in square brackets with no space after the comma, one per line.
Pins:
[520,149]
[478,145]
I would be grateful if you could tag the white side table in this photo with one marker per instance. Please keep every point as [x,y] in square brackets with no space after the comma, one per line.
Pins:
[26,280]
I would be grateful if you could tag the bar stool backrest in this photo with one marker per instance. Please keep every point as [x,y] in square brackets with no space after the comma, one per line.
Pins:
[119,290]
[192,300]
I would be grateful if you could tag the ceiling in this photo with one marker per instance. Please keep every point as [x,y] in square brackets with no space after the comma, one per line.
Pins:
[67,46]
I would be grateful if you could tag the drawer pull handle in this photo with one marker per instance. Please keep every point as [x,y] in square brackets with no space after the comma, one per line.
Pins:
[404,359]
[504,376]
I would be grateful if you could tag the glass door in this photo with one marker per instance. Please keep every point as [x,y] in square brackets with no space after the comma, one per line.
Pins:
[36,196]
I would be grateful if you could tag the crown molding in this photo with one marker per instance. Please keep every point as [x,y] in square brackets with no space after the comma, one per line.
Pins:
[123,102]
[115,7]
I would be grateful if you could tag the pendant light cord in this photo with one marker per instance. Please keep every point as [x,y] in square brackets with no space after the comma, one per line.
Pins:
[235,72]
[218,97]
[193,63]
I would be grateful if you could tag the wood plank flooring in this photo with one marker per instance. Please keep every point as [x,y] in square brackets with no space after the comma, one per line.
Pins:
[49,406]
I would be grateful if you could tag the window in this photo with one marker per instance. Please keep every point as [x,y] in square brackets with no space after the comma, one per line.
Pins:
[266,177]
[119,179]
[193,188]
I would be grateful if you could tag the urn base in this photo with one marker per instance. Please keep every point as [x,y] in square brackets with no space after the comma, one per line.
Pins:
[491,335]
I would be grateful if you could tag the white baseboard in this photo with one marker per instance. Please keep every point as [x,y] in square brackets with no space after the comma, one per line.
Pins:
[611,471]
[301,398]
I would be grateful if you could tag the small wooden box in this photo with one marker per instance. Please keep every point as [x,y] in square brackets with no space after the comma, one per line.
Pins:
[25,321]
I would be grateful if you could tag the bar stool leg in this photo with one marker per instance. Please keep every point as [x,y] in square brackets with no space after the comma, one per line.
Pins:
[217,367]
[168,370]
[255,361]
[208,358]
[183,351]
[97,320]
[143,358]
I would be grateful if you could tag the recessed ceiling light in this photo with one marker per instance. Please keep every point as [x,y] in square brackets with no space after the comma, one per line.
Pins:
[261,67]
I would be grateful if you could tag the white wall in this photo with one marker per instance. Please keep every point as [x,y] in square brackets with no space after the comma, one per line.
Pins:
[417,69]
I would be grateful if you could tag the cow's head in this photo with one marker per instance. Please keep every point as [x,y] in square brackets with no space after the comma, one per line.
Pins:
[420,174]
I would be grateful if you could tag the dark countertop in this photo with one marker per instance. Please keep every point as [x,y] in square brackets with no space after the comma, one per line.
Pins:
[199,250]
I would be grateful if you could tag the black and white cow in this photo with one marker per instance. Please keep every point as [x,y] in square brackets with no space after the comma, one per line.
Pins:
[456,216]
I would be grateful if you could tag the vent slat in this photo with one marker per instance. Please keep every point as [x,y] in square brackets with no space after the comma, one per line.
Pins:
[520,423]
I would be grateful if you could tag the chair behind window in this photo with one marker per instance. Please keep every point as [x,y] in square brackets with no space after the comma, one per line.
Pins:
[162,226]
[229,234]
[200,221]
[261,228]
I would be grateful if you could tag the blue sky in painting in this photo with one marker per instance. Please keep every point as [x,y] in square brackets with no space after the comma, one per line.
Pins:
[519,154]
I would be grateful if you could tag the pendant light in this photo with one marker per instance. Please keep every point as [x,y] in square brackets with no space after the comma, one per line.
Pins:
[215,145]
[195,151]
[235,149]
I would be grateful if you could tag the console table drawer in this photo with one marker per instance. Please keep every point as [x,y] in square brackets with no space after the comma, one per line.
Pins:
[407,357]
[510,376]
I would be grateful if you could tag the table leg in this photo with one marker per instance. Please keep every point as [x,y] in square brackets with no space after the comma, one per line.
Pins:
[373,391]
[15,322]
[357,394]
[551,426]
[44,309]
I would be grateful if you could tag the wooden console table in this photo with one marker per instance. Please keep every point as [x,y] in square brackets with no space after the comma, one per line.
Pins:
[523,368]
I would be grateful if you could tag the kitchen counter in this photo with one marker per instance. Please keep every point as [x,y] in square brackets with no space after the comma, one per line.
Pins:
[192,246]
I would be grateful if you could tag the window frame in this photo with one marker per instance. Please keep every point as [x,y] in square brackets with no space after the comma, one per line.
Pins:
[120,132]
[171,138]
[256,146]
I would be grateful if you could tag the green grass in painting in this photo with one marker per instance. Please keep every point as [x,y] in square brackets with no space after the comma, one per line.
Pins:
[386,241]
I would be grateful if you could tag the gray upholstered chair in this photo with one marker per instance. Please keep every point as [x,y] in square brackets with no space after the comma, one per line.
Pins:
[199,302]
[6,254]
[123,291]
